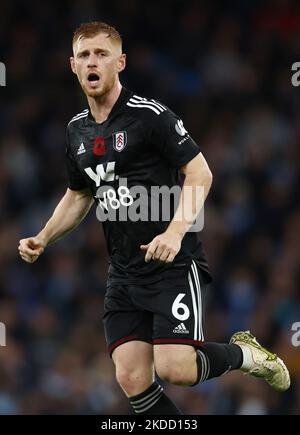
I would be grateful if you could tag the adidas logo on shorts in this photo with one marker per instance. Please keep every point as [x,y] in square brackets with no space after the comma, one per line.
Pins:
[181,329]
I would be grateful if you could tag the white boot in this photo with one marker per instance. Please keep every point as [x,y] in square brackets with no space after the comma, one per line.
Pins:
[259,362]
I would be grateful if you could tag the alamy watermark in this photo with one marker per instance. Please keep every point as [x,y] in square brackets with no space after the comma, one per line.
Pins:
[2,334]
[2,74]
[152,204]
[295,79]
[296,335]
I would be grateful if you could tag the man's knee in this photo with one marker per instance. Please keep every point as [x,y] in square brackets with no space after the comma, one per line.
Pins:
[134,367]
[174,375]
[176,366]
[133,381]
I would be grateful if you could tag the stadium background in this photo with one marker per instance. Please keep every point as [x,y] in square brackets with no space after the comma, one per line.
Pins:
[225,67]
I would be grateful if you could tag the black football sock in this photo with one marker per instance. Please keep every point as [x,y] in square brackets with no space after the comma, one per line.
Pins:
[153,401]
[215,359]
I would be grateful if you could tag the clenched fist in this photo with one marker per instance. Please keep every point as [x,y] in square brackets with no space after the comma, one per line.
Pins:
[30,249]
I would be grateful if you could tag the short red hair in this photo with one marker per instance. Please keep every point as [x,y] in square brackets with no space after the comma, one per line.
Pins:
[94,28]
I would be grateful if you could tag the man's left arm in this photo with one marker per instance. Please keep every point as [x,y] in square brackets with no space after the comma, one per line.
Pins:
[197,183]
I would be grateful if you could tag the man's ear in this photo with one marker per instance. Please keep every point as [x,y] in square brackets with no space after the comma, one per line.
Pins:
[73,66]
[122,62]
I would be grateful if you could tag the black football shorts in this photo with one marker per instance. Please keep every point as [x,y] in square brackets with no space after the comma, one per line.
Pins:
[168,311]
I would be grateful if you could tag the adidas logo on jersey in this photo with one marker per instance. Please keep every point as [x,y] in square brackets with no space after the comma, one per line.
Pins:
[81,149]
[181,329]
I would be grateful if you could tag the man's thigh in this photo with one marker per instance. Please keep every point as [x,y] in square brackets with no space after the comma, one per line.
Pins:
[133,354]
[166,356]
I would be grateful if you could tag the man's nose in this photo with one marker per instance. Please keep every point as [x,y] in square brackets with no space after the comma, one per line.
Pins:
[92,61]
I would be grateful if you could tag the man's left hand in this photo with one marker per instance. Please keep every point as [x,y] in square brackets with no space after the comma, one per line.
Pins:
[163,247]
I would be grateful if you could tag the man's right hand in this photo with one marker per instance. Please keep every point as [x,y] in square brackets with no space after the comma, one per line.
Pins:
[30,249]
[70,211]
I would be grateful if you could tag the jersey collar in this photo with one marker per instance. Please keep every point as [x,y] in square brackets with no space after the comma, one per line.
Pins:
[125,94]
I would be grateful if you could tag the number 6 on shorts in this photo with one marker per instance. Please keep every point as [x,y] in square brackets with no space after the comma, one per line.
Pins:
[177,305]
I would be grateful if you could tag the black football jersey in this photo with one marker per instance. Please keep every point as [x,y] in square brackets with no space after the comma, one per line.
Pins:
[141,144]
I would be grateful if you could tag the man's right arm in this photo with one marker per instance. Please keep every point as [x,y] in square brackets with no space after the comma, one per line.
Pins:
[68,214]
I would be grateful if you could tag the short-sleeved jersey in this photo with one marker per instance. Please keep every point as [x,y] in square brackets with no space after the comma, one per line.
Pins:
[142,143]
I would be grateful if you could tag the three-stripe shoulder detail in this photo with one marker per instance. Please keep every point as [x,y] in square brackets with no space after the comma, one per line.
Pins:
[144,103]
[83,114]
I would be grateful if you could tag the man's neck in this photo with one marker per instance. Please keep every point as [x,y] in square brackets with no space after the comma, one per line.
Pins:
[102,106]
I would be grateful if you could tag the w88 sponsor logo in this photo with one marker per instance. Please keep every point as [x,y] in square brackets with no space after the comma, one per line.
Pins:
[114,199]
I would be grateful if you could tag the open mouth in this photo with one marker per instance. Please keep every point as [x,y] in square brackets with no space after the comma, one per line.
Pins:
[93,79]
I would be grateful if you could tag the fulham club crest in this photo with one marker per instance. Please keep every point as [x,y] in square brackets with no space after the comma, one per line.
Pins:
[120,140]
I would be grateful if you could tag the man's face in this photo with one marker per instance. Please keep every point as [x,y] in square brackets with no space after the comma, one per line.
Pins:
[97,62]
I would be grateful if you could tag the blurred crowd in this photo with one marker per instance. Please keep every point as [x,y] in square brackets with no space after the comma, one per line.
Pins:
[225,68]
